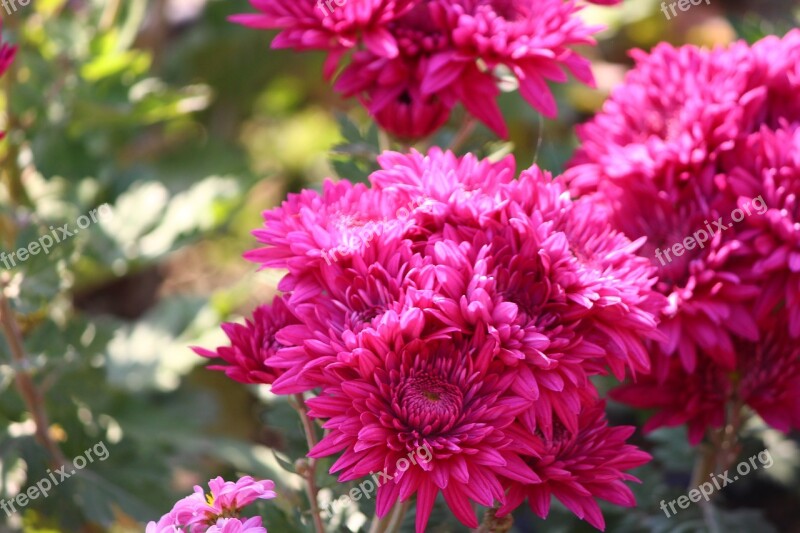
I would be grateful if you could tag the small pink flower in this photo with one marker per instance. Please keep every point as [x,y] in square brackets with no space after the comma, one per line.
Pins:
[199,511]
[227,496]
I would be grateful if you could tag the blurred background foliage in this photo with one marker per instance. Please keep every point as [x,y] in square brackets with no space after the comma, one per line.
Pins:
[188,127]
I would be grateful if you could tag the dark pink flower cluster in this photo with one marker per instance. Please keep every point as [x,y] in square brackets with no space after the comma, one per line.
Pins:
[710,140]
[411,61]
[455,308]
[216,511]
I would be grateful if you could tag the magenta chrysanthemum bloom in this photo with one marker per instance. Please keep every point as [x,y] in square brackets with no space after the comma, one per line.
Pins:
[679,151]
[451,52]
[328,25]
[578,467]
[254,345]
[766,165]
[413,61]
[200,511]
[530,39]
[767,380]
[392,88]
[446,397]
[465,323]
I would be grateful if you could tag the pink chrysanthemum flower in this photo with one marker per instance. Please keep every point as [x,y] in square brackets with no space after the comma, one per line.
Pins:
[328,24]
[226,499]
[442,396]
[709,141]
[467,323]
[254,345]
[767,379]
[671,155]
[453,322]
[451,52]
[530,39]
[766,166]
[413,61]
[578,467]
[391,88]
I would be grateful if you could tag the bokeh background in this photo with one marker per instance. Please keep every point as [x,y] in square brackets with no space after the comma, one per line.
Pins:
[188,127]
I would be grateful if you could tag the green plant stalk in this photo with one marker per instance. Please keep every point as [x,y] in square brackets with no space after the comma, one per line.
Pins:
[311,473]
[34,401]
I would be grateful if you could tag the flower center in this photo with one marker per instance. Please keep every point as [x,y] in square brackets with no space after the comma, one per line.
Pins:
[427,401]
[432,396]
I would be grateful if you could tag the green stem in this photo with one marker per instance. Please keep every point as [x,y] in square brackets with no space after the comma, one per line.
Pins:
[27,389]
[463,133]
[397,516]
[311,474]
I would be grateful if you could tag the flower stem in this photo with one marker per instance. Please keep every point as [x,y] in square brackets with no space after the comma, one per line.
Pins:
[718,456]
[311,473]
[463,133]
[393,520]
[493,524]
[27,389]
[397,516]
